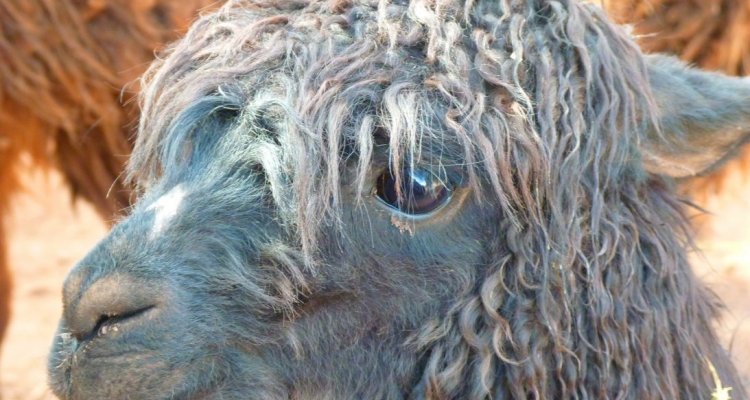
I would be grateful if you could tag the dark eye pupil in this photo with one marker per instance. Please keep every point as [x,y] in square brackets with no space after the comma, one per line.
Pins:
[420,191]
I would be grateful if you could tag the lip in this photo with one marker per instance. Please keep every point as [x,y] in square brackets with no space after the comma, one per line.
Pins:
[88,353]
[87,374]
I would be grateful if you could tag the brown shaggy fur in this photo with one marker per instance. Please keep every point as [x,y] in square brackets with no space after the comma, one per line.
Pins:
[4,288]
[63,67]
[713,34]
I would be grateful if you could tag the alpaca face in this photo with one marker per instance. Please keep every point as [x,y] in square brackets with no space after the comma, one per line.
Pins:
[405,201]
[203,290]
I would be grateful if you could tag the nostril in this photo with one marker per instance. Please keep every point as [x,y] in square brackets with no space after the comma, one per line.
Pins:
[111,322]
[113,302]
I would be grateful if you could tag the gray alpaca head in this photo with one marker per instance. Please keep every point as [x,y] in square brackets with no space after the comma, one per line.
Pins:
[406,199]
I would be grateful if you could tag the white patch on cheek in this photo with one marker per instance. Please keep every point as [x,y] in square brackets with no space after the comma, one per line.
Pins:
[165,209]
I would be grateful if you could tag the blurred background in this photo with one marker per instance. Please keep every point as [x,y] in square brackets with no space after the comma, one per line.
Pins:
[65,134]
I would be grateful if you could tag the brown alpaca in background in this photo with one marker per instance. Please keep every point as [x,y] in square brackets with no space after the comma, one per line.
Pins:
[63,67]
[713,34]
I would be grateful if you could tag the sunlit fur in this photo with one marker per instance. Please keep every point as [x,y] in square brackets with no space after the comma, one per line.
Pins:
[563,274]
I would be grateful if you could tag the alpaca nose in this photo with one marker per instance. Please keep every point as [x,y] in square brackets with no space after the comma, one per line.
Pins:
[112,302]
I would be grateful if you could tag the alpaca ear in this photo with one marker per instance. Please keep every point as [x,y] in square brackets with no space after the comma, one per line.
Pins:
[702,117]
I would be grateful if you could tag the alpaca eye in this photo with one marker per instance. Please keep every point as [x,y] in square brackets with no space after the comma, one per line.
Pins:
[421,191]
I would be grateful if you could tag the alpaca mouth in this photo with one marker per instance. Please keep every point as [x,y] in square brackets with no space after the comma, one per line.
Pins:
[78,369]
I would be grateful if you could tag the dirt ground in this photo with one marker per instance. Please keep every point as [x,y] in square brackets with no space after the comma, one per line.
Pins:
[48,234]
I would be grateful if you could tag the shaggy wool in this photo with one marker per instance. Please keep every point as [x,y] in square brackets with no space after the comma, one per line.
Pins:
[557,270]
